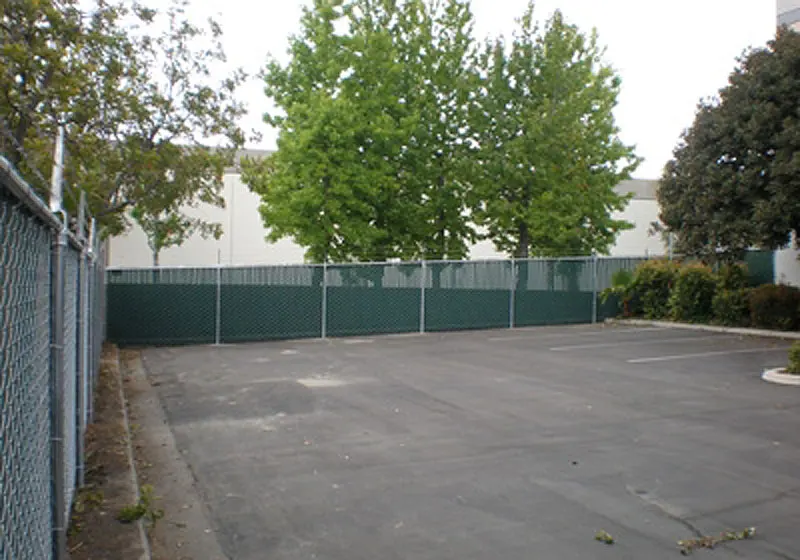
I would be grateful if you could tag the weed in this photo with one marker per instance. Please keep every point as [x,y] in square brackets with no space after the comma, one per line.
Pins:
[88,500]
[604,537]
[143,509]
[690,545]
[794,359]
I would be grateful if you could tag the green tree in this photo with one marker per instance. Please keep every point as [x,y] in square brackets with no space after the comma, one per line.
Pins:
[548,156]
[734,179]
[437,49]
[321,186]
[139,106]
[369,164]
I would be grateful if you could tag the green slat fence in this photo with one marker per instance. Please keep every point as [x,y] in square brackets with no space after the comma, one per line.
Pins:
[239,304]
[467,295]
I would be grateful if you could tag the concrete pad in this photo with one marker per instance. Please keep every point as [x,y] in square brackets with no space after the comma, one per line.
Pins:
[478,445]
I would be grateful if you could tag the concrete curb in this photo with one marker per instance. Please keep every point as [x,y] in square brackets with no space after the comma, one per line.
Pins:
[146,554]
[785,335]
[777,376]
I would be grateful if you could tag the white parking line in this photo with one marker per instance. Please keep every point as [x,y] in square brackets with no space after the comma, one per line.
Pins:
[576,332]
[705,355]
[629,343]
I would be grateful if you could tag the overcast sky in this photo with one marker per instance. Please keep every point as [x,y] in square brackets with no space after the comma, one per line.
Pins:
[670,53]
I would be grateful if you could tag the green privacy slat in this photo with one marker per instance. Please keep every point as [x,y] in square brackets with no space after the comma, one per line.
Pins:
[364,311]
[553,292]
[178,306]
[390,275]
[760,267]
[153,314]
[252,313]
[608,309]
[373,298]
[467,295]
[552,308]
[457,309]
[467,275]
[162,276]
[270,302]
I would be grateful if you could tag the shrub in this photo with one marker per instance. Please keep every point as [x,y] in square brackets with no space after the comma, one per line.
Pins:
[775,307]
[652,284]
[731,304]
[732,307]
[732,277]
[693,293]
[794,359]
[622,278]
[622,293]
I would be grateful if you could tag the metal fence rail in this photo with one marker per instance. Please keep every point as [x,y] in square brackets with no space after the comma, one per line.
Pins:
[163,306]
[51,306]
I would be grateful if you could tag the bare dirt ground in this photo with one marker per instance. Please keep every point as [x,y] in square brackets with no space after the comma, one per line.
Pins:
[95,533]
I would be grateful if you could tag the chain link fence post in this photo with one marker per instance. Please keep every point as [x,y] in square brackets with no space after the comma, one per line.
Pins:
[324,310]
[57,396]
[594,287]
[512,289]
[218,305]
[422,285]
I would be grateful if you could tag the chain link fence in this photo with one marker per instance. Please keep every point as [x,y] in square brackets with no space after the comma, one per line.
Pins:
[51,304]
[165,306]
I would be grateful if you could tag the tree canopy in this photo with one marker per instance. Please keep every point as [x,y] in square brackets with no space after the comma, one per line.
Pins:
[397,136]
[549,156]
[369,162]
[734,180]
[148,130]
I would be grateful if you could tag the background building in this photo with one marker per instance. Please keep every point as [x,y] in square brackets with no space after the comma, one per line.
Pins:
[789,13]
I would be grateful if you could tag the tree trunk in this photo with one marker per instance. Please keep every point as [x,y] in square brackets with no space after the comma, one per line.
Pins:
[523,242]
[522,253]
[442,223]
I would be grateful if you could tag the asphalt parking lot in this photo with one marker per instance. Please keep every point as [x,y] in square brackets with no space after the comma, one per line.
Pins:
[506,445]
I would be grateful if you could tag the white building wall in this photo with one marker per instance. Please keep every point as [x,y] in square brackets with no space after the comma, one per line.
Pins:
[789,13]
[638,241]
[243,240]
[787,265]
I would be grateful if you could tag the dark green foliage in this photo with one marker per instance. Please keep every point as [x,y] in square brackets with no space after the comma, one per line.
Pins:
[775,307]
[732,307]
[732,277]
[134,88]
[693,293]
[622,278]
[794,359]
[653,282]
[621,282]
[731,304]
[733,182]
[623,293]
